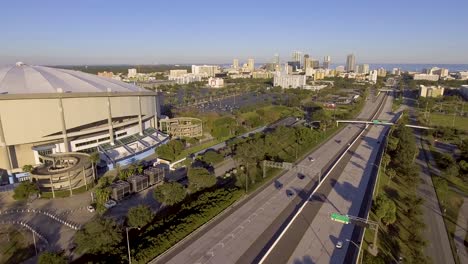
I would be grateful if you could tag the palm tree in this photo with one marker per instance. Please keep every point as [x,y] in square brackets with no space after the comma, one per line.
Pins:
[95,158]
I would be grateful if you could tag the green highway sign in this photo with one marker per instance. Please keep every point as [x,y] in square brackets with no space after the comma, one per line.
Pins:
[340,218]
[376,121]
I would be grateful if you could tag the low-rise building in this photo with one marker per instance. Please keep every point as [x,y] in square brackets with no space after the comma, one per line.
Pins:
[208,70]
[431,91]
[106,74]
[462,75]
[132,73]
[425,76]
[186,78]
[215,82]
[262,75]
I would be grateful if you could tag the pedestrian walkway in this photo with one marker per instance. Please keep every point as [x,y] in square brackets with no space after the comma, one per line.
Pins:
[460,232]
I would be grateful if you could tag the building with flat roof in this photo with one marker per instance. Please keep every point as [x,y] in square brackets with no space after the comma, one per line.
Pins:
[177,73]
[205,70]
[431,91]
[289,81]
[350,63]
[48,110]
[132,73]
[462,75]
[215,82]
[425,76]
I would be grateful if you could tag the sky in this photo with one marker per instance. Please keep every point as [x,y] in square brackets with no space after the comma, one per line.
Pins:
[183,32]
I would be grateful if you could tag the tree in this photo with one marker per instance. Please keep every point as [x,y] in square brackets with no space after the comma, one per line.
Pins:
[169,193]
[386,160]
[170,150]
[139,216]
[200,178]
[25,190]
[28,168]
[95,159]
[102,196]
[51,258]
[385,209]
[212,157]
[100,236]
[391,173]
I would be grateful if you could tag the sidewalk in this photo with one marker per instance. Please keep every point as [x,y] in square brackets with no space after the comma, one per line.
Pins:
[460,232]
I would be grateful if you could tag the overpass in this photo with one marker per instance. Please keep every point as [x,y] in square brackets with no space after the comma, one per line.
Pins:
[379,122]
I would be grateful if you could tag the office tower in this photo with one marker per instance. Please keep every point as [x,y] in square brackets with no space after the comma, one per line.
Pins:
[326,62]
[306,63]
[251,64]
[350,63]
[381,72]
[362,68]
[373,76]
[235,64]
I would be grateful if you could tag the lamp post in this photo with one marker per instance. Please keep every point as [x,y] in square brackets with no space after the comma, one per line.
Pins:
[128,243]
[357,246]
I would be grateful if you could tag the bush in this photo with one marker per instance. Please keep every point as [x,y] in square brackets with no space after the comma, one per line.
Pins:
[212,157]
[169,193]
[25,190]
[51,258]
[139,216]
[172,228]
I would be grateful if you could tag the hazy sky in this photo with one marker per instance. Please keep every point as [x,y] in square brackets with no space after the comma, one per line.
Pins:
[190,31]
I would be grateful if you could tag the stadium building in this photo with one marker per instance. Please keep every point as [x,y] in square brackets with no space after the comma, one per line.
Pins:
[45,111]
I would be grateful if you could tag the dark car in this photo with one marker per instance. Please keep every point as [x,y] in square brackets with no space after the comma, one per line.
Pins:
[289,193]
[278,185]
[300,176]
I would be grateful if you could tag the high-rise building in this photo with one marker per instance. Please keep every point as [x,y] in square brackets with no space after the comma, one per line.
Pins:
[206,70]
[306,63]
[363,68]
[132,73]
[297,56]
[350,63]
[326,62]
[381,72]
[373,76]
[314,63]
[295,65]
[235,63]
[251,64]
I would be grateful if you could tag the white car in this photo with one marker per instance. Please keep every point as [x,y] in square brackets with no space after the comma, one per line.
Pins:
[90,208]
[110,203]
[311,159]
[339,244]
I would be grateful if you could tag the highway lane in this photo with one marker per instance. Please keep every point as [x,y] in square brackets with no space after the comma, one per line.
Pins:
[227,239]
[311,238]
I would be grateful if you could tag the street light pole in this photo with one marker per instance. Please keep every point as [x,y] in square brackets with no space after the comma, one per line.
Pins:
[128,247]
[358,247]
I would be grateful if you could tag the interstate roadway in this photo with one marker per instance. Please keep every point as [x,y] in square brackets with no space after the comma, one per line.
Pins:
[242,234]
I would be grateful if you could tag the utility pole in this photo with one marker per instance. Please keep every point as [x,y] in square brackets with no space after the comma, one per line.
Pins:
[34,240]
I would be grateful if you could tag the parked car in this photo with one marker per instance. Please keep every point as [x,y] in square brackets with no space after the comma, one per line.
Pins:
[311,159]
[289,193]
[110,203]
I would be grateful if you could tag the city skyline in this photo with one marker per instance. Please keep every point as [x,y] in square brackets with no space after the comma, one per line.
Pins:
[182,32]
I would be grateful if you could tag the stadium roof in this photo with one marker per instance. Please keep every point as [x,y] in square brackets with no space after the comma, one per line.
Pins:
[29,79]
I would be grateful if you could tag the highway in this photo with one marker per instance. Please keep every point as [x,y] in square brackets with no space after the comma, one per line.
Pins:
[312,236]
[241,234]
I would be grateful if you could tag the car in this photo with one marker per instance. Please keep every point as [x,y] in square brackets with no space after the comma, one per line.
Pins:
[90,208]
[311,159]
[339,244]
[300,176]
[278,185]
[289,193]
[110,203]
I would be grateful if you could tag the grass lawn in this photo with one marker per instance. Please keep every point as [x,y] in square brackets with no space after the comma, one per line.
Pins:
[451,200]
[447,120]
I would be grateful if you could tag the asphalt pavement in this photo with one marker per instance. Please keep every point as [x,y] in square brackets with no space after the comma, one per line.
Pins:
[312,237]
[226,240]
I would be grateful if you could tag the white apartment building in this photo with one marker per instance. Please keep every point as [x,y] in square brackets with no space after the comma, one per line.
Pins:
[205,70]
[132,73]
[372,76]
[251,65]
[289,81]
[431,91]
[177,73]
[186,78]
[215,82]
[425,76]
